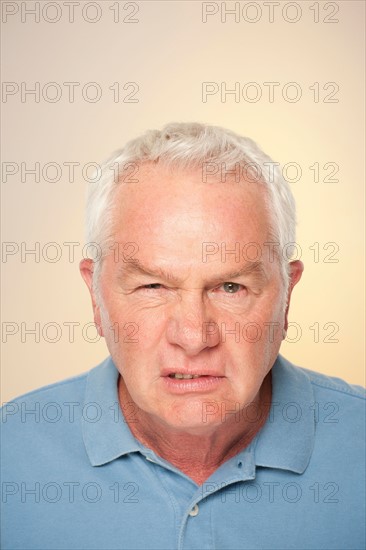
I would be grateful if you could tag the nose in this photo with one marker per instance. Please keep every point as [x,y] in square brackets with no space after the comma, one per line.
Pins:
[187,325]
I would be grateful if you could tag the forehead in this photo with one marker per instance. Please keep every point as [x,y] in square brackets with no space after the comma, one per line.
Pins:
[162,194]
[174,212]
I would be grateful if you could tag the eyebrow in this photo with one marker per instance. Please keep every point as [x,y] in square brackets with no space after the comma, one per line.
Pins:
[255,269]
[251,268]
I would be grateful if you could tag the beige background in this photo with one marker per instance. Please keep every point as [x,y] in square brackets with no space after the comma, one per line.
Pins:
[169,52]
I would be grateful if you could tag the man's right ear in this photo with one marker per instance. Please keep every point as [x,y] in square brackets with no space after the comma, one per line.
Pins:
[86,267]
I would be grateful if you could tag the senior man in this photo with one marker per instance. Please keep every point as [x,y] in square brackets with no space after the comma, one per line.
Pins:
[195,433]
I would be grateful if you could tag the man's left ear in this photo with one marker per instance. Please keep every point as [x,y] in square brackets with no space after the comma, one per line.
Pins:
[295,272]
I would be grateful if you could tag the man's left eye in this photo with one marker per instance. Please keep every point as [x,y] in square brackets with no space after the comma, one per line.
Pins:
[232,288]
[153,286]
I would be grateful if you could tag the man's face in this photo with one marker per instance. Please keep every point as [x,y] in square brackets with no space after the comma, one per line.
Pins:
[189,296]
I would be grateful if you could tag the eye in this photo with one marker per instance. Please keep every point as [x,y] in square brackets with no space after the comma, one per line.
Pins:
[232,288]
[152,286]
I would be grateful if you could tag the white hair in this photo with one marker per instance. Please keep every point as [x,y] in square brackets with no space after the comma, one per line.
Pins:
[188,146]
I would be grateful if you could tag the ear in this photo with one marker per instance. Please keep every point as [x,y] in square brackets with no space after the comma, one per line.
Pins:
[86,267]
[296,269]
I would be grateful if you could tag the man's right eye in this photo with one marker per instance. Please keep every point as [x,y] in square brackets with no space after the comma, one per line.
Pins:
[152,286]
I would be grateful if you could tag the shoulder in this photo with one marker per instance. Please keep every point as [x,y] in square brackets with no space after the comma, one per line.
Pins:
[331,399]
[324,384]
[73,386]
[48,406]
[44,392]
[338,408]
[47,422]
[334,411]
[335,385]
[69,389]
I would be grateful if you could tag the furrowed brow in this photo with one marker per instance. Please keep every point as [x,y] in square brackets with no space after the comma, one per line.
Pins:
[253,269]
[134,268]
[247,269]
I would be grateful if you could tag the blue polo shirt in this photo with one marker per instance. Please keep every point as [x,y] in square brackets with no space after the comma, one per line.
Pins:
[74,477]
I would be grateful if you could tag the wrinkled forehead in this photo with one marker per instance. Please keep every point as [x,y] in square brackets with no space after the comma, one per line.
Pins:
[173,218]
[156,195]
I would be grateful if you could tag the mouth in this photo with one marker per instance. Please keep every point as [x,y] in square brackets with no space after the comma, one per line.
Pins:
[181,376]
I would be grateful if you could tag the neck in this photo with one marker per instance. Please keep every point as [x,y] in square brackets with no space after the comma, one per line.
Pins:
[198,455]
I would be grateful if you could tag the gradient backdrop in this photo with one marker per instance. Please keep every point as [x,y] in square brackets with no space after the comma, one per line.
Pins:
[312,122]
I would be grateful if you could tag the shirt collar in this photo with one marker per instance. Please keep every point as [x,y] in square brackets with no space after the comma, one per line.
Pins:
[105,432]
[285,441]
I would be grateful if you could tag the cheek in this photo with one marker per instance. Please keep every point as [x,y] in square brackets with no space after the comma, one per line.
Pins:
[260,327]
[255,345]
[131,331]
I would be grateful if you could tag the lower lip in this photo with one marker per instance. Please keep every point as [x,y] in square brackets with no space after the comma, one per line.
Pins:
[201,384]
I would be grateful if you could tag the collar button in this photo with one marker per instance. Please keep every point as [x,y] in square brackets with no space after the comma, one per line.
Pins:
[194,511]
